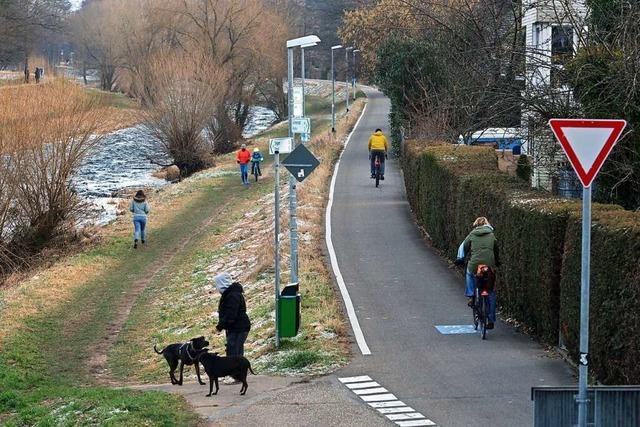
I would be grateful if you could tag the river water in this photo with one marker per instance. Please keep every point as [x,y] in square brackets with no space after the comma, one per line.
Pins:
[122,161]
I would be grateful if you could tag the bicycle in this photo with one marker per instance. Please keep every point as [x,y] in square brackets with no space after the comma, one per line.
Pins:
[255,170]
[376,168]
[480,304]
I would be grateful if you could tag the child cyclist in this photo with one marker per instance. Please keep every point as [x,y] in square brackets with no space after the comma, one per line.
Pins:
[256,159]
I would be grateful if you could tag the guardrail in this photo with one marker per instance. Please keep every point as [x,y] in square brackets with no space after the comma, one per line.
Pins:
[609,406]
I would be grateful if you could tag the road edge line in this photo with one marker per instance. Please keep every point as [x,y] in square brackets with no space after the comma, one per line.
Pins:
[346,298]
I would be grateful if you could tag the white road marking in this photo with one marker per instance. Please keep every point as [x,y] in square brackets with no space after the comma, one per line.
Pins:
[351,313]
[368,384]
[396,410]
[378,397]
[370,391]
[386,404]
[413,423]
[355,379]
[399,417]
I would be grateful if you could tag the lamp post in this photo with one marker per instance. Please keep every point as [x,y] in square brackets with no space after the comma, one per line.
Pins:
[354,73]
[333,90]
[346,76]
[302,42]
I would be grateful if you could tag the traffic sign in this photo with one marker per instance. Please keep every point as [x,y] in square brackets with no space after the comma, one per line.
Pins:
[280,145]
[301,125]
[301,162]
[298,100]
[587,143]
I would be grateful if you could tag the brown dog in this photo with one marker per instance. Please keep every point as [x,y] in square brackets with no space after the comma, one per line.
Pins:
[216,366]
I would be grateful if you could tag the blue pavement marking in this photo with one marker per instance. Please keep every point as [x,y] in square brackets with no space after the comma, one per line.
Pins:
[456,329]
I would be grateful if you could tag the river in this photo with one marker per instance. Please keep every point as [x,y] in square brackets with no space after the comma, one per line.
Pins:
[121,161]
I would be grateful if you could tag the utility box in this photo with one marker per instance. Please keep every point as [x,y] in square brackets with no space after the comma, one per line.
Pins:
[289,311]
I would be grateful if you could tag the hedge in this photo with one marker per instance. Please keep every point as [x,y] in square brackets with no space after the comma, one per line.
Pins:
[615,295]
[448,186]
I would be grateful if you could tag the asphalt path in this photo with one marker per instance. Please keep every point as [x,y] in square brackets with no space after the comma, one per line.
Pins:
[401,289]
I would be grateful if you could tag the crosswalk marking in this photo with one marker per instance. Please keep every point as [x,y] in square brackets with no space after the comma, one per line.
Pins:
[413,423]
[375,390]
[399,417]
[395,410]
[355,379]
[368,384]
[378,397]
[385,403]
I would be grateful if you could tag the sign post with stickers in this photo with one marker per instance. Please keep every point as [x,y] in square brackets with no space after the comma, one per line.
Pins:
[587,144]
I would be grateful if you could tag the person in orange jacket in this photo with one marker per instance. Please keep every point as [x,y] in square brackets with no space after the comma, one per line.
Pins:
[243,158]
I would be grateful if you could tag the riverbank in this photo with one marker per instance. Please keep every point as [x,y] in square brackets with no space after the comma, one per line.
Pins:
[69,331]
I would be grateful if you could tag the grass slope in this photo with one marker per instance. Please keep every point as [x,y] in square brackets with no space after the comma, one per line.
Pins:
[54,321]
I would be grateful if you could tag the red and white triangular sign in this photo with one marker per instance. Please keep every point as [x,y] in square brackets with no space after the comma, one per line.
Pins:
[587,143]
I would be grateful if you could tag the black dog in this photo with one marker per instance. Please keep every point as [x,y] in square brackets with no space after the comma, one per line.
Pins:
[185,354]
[216,366]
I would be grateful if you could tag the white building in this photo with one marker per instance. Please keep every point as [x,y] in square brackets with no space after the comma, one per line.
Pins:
[554,29]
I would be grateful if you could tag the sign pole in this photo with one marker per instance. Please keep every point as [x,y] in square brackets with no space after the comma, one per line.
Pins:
[584,308]
[276,165]
[293,197]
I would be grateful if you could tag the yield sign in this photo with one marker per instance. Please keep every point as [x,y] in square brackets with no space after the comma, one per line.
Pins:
[587,143]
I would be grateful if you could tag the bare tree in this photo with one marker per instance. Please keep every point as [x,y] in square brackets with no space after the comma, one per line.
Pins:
[185,90]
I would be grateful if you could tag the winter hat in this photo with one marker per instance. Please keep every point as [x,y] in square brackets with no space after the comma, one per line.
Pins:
[140,196]
[223,281]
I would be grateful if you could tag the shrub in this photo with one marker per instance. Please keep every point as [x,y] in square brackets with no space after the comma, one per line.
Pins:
[539,238]
[46,132]
[523,168]
[614,348]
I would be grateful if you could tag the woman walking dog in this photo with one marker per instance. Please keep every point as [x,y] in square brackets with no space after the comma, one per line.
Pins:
[140,209]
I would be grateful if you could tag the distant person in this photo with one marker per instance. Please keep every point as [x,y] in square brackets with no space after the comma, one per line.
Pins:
[481,248]
[140,209]
[232,315]
[38,74]
[256,159]
[378,147]
[243,158]
[26,74]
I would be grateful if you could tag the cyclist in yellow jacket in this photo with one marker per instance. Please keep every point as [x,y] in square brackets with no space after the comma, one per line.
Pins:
[378,147]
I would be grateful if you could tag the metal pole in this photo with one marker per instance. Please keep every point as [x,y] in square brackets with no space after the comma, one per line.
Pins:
[333,96]
[346,77]
[276,165]
[302,74]
[293,200]
[584,308]
[353,73]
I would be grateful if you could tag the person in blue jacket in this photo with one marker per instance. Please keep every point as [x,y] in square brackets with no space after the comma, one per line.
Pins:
[256,159]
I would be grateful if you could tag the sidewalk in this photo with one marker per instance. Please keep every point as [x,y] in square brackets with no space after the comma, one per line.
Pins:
[277,401]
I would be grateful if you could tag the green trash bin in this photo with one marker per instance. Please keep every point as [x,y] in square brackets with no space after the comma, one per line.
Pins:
[289,311]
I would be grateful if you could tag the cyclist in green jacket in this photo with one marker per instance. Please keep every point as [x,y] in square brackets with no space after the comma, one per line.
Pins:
[481,247]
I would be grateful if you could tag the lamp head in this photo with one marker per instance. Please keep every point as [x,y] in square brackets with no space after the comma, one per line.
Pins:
[301,41]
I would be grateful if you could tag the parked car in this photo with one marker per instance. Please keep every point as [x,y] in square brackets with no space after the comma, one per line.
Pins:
[501,138]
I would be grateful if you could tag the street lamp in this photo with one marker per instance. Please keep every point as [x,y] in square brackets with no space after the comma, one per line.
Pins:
[354,73]
[346,77]
[333,90]
[301,42]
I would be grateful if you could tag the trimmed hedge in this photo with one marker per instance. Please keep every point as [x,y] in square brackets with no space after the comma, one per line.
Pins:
[614,331]
[448,186]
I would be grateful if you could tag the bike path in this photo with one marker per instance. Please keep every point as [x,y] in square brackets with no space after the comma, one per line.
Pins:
[401,289]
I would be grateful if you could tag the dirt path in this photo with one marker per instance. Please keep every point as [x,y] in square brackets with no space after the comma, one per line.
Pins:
[98,361]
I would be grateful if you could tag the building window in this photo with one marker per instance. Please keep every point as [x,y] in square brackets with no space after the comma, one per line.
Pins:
[561,41]
[561,53]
